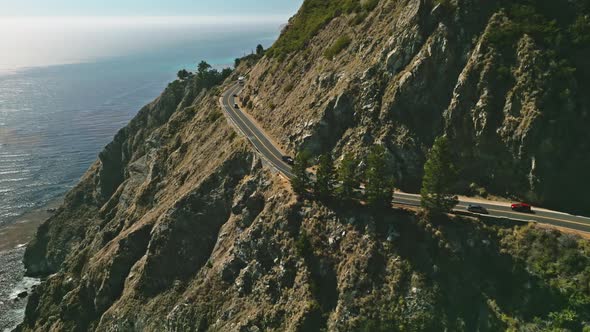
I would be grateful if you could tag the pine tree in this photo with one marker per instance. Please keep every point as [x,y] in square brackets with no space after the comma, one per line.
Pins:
[379,182]
[347,177]
[300,182]
[183,74]
[439,176]
[324,185]
[203,69]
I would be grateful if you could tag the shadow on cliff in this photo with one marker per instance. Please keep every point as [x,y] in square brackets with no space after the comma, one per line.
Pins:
[462,262]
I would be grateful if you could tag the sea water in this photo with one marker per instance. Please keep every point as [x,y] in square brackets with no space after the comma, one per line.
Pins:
[55,118]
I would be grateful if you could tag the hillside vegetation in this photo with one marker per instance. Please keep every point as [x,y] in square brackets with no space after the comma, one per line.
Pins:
[314,15]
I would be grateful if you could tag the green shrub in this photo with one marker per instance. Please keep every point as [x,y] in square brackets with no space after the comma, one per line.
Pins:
[560,260]
[313,15]
[289,87]
[580,30]
[524,19]
[504,73]
[359,18]
[340,44]
[292,65]
[303,245]
[249,60]
[213,116]
[369,5]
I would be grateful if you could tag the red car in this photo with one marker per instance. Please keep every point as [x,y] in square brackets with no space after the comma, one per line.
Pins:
[521,207]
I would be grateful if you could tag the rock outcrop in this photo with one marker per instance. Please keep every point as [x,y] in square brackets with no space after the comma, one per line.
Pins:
[504,80]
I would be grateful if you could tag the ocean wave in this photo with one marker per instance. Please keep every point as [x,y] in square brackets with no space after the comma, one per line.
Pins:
[19,171]
[7,215]
[13,180]
[11,155]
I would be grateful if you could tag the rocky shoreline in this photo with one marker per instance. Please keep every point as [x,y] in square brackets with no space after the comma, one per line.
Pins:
[14,286]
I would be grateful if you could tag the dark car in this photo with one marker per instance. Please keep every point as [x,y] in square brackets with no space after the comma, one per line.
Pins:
[288,160]
[521,207]
[477,209]
[236,106]
[235,95]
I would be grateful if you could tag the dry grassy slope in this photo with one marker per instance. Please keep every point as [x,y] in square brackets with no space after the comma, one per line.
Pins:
[414,71]
[177,160]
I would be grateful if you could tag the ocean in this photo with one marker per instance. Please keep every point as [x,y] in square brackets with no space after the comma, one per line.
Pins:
[67,85]
[54,119]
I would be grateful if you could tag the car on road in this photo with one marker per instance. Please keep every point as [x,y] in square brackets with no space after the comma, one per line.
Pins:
[477,209]
[289,160]
[236,106]
[235,95]
[521,207]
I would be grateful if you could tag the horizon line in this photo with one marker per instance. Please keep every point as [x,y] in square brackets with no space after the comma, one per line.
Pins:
[152,18]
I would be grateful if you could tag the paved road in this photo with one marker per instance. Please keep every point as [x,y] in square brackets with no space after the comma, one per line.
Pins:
[254,134]
[499,209]
[273,155]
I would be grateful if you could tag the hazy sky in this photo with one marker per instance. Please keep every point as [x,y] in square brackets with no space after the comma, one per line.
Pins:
[147,7]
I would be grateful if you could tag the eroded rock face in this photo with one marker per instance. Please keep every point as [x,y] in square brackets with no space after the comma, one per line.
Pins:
[416,70]
[149,211]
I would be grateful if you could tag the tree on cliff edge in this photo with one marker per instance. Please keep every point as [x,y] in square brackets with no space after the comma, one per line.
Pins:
[439,176]
[325,177]
[379,182]
[300,182]
[183,74]
[348,178]
[203,68]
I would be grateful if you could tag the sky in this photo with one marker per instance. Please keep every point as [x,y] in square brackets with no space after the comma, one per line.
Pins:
[22,8]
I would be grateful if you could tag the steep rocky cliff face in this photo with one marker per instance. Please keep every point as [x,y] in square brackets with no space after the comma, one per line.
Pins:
[505,80]
[179,226]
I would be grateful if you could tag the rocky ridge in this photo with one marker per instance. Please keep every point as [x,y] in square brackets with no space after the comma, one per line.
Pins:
[504,80]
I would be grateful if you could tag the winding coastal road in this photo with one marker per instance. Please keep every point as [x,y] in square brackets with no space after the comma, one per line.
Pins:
[253,132]
[273,155]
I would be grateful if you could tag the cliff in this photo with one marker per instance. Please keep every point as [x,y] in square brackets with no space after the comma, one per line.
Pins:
[504,80]
[180,226]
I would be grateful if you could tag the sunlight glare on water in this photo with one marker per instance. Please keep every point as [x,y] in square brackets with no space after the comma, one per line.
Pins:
[67,85]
